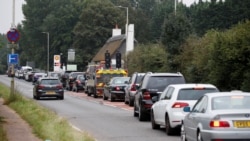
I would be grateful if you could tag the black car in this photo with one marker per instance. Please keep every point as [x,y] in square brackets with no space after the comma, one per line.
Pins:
[130,90]
[71,78]
[114,89]
[152,85]
[48,87]
[79,83]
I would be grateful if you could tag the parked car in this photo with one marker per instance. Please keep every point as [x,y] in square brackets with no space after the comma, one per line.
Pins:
[152,85]
[114,89]
[37,75]
[130,90]
[168,111]
[218,116]
[79,83]
[71,78]
[48,87]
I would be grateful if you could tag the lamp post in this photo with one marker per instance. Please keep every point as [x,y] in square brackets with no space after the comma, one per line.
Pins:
[47,51]
[126,26]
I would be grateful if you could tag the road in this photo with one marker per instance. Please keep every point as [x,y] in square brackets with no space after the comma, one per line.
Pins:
[104,120]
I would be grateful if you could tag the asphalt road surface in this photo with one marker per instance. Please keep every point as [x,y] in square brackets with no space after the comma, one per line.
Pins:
[104,120]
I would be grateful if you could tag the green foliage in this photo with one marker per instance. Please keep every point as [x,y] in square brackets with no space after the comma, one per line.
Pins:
[149,57]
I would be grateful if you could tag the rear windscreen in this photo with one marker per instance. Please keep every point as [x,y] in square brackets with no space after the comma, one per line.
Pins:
[50,82]
[235,102]
[161,82]
[193,94]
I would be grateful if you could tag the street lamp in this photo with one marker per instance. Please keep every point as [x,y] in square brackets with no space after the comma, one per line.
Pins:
[126,28]
[126,20]
[47,51]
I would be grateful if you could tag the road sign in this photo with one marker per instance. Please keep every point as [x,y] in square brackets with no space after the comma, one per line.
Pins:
[13,35]
[13,59]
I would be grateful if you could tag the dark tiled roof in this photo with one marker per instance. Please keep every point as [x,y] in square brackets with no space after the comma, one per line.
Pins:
[112,45]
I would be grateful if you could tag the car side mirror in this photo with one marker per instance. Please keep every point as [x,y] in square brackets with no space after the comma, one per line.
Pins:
[186,109]
[155,99]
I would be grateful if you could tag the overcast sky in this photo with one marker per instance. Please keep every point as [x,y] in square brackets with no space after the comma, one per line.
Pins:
[6,13]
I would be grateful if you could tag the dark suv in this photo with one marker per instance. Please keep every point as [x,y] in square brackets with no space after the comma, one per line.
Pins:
[153,84]
[130,90]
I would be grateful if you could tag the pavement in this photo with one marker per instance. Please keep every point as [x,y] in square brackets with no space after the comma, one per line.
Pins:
[17,129]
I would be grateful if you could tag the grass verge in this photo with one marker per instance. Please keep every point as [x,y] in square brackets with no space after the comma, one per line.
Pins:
[45,123]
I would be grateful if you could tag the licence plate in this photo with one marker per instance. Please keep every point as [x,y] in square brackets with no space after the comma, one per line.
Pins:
[242,124]
[50,92]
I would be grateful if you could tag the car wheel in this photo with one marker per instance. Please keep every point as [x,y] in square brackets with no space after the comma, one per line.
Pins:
[104,97]
[89,93]
[111,98]
[34,97]
[154,125]
[37,97]
[169,129]
[135,113]
[131,102]
[142,116]
[199,137]
[62,97]
[183,133]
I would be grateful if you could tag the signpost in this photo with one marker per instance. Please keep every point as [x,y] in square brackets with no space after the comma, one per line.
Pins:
[13,37]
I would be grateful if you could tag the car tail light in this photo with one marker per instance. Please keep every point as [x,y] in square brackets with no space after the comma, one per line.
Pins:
[146,95]
[133,87]
[179,105]
[59,86]
[40,86]
[78,81]
[217,123]
[117,88]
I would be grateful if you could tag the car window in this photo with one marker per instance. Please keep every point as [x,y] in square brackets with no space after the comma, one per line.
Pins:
[198,106]
[138,79]
[169,93]
[231,102]
[193,94]
[50,81]
[161,82]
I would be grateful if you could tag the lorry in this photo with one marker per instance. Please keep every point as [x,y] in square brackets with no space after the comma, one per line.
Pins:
[97,79]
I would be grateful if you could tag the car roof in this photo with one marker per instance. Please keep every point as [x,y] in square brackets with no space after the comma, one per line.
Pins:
[165,74]
[188,85]
[232,93]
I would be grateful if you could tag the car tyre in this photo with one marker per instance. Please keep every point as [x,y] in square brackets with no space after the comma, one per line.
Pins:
[142,116]
[104,97]
[199,137]
[183,133]
[154,125]
[169,129]
[111,98]
[62,97]
[131,102]
[135,113]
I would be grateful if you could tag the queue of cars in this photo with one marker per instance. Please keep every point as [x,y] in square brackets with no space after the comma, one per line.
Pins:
[199,112]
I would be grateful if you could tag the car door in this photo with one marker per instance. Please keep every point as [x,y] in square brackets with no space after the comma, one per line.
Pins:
[193,119]
[164,104]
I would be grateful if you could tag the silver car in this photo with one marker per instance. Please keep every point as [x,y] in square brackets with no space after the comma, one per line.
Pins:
[220,116]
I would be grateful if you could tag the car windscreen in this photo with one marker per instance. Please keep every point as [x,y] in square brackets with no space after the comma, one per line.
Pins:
[50,81]
[194,94]
[235,102]
[161,82]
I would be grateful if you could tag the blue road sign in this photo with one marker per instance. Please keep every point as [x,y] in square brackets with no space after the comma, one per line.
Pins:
[13,58]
